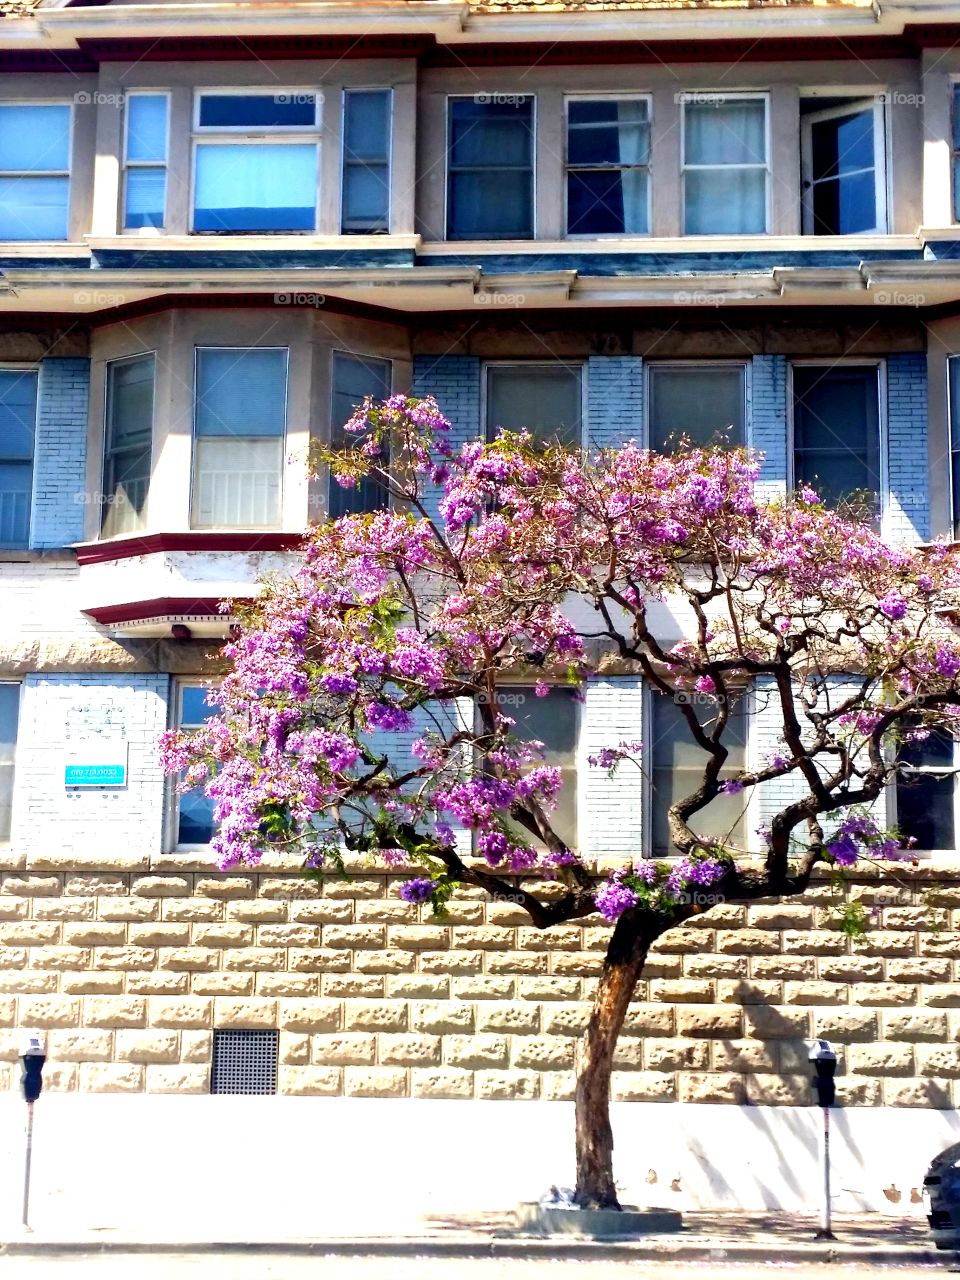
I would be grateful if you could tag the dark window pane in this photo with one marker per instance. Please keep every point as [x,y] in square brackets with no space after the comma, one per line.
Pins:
[366,126]
[257,110]
[195,823]
[842,145]
[552,720]
[844,206]
[542,399]
[705,404]
[490,178]
[194,707]
[837,431]
[491,135]
[677,771]
[925,810]
[353,380]
[935,751]
[491,206]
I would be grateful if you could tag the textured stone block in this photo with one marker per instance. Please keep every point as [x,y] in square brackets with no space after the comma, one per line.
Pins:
[310,1015]
[847,1025]
[771,1023]
[124,909]
[643,1086]
[476,1051]
[161,887]
[882,994]
[323,1081]
[375,1015]
[80,1046]
[722,1021]
[50,1011]
[222,934]
[514,1018]
[342,986]
[247,958]
[110,1077]
[814,993]
[192,910]
[543,1053]
[521,962]
[917,1093]
[779,1091]
[481,986]
[319,960]
[649,1020]
[375,1082]
[182,1078]
[195,1012]
[521,1085]
[344,1048]
[938,1060]
[408,1050]
[712,1086]
[147,1046]
[881,1060]
[244,1013]
[676,1055]
[441,1082]
[385,961]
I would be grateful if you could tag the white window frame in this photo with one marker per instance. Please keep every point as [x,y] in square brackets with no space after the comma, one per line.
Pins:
[534,157]
[366,88]
[748,702]
[651,367]
[107,365]
[244,135]
[580,365]
[18,685]
[855,105]
[867,362]
[145,164]
[606,96]
[701,98]
[47,173]
[14,366]
[175,721]
[213,346]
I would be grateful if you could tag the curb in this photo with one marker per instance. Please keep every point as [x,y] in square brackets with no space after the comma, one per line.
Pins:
[532,1249]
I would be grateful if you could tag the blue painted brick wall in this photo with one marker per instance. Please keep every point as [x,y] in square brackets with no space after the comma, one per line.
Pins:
[614,400]
[908,510]
[59,480]
[454,382]
[768,422]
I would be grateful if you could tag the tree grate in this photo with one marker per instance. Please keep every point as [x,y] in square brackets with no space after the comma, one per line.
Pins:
[244,1061]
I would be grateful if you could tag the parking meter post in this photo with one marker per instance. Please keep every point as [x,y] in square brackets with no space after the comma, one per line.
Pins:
[824,1059]
[27,1163]
[33,1054]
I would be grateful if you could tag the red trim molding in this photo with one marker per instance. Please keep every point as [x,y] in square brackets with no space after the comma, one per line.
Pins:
[164,606]
[150,543]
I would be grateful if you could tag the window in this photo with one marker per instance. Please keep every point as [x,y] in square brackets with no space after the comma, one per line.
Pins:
[706,403]
[608,159]
[145,161]
[34,170]
[18,418]
[843,169]
[354,378]
[193,816]
[365,190]
[677,764]
[490,168]
[544,399]
[926,792]
[240,421]
[9,716]
[129,438]
[955,131]
[554,721]
[257,162]
[953,368]
[724,165]
[836,432]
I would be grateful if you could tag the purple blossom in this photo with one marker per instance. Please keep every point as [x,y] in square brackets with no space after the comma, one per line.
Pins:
[843,849]
[614,898]
[417,890]
[947,662]
[893,606]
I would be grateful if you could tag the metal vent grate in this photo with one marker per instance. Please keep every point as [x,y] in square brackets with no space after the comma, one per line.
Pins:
[244,1061]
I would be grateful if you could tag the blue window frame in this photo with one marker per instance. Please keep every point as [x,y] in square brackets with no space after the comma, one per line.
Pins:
[365,183]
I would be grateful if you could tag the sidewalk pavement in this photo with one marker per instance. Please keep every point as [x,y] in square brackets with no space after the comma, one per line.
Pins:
[715,1237]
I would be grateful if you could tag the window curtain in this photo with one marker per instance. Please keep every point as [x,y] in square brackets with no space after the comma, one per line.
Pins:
[719,198]
[261,187]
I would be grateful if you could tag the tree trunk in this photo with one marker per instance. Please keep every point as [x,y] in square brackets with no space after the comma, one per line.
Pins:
[622,967]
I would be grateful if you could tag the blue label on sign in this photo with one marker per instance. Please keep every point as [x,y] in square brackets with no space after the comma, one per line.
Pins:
[95,775]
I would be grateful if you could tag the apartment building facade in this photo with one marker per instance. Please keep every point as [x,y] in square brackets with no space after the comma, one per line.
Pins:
[220,228]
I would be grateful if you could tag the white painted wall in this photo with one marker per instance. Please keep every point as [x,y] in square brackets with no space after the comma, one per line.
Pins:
[200,1167]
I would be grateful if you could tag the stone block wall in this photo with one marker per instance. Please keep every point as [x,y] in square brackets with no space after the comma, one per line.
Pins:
[129,967]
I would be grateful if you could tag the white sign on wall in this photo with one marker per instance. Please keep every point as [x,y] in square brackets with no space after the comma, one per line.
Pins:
[96,750]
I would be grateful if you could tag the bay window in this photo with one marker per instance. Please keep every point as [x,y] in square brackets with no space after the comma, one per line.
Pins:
[703,402]
[724,164]
[490,167]
[128,444]
[365,179]
[34,170]
[18,419]
[355,378]
[145,160]
[239,427]
[836,432]
[676,770]
[544,399]
[9,716]
[256,161]
[608,166]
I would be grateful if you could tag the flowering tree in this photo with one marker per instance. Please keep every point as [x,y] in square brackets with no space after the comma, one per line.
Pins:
[362,709]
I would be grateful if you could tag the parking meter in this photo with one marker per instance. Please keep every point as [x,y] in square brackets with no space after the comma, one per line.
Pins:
[824,1060]
[33,1054]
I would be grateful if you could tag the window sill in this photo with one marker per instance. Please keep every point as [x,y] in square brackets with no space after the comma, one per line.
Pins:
[244,242]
